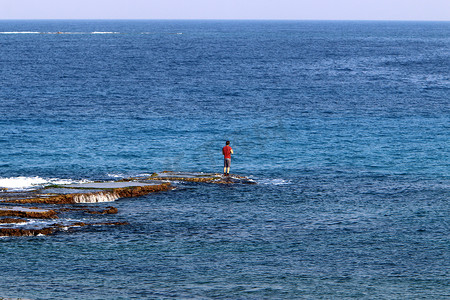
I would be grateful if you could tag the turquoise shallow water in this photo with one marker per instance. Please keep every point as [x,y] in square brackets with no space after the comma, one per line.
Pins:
[344,125]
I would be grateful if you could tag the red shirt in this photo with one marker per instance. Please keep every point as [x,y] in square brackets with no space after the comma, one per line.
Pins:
[226,151]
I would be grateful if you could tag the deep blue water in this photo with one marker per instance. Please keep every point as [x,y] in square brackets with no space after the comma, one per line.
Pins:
[344,125]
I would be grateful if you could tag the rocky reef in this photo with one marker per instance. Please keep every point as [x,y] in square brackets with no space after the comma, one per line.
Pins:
[93,192]
[201,177]
[53,228]
[56,200]
[12,220]
[25,232]
[25,212]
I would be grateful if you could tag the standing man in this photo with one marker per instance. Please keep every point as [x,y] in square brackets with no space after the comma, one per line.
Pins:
[227,151]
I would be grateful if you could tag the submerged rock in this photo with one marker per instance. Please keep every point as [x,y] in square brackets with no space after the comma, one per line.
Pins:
[53,228]
[107,210]
[25,212]
[83,224]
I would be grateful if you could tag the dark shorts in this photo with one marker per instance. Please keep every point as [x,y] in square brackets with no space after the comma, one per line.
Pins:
[227,162]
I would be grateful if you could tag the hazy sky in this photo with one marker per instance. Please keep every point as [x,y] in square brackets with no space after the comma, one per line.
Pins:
[227,9]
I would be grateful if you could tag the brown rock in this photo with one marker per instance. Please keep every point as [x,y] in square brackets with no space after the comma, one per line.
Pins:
[29,213]
[25,232]
[127,192]
[12,220]
[108,210]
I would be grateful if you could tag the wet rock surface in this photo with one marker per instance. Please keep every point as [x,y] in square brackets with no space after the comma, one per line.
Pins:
[25,232]
[107,210]
[12,220]
[201,177]
[24,212]
[63,202]
[81,193]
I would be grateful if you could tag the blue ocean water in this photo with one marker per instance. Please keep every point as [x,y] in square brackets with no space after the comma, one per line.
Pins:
[344,125]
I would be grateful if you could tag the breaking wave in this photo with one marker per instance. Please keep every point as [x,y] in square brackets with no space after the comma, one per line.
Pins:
[112,175]
[96,198]
[22,183]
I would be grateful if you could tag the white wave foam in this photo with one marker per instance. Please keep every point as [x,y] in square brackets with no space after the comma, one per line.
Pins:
[121,175]
[95,198]
[144,175]
[104,32]
[275,181]
[18,183]
[115,175]
[27,183]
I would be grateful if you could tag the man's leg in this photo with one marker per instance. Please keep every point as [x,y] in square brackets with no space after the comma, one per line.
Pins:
[225,165]
[226,168]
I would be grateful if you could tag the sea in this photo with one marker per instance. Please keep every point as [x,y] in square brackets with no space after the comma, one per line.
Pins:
[343,125]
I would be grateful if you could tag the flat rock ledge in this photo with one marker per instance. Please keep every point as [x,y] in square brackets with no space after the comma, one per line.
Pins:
[103,192]
[25,232]
[68,197]
[12,221]
[24,212]
[214,178]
